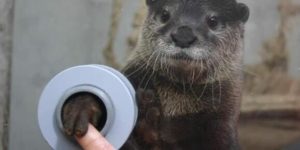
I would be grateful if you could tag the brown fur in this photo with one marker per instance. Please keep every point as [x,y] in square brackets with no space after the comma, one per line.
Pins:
[184,113]
[184,103]
[198,100]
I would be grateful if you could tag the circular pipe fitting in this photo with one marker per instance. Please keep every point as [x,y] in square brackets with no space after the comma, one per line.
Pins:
[112,88]
[95,91]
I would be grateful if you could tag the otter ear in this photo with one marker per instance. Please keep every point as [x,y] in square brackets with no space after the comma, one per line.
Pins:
[150,2]
[243,12]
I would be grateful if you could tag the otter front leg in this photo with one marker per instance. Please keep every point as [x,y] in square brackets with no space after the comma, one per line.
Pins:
[221,134]
[80,110]
[146,133]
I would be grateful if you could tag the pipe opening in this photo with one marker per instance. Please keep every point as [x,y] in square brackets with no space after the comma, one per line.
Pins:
[96,101]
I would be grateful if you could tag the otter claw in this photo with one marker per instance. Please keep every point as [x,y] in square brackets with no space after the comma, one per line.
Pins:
[78,112]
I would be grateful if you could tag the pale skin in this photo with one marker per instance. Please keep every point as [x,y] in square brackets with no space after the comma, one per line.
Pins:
[93,140]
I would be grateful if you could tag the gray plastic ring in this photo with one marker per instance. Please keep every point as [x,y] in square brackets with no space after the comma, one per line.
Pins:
[109,85]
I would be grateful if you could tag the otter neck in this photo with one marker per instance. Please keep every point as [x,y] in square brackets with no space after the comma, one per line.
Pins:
[179,99]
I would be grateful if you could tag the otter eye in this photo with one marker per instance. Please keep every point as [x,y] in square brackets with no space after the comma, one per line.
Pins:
[213,22]
[165,16]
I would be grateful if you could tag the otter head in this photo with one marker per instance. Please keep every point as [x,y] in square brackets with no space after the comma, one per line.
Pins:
[194,40]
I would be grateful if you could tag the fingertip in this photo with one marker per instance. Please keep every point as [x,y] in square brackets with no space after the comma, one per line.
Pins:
[93,140]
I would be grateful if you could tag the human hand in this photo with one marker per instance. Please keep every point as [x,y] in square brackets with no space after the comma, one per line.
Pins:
[93,140]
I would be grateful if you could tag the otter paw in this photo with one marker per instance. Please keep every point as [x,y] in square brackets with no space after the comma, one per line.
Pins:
[149,107]
[80,110]
[145,97]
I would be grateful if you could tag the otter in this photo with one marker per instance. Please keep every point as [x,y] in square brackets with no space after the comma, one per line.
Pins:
[186,70]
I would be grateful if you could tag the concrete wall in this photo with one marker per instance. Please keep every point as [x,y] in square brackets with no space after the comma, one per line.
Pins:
[5,53]
[262,25]
[49,36]
[293,46]
[265,24]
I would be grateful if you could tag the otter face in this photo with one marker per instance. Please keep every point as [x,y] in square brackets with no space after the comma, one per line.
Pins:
[188,37]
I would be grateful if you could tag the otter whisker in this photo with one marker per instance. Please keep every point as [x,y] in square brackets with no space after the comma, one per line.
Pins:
[151,75]
[136,70]
[150,59]
[220,92]
[148,64]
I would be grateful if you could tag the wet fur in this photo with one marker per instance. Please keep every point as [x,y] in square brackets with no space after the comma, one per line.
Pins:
[197,98]
[189,101]
[198,116]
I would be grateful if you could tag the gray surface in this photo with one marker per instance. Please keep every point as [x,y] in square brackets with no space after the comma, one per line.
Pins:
[5,53]
[125,28]
[294,46]
[293,146]
[49,36]
[263,24]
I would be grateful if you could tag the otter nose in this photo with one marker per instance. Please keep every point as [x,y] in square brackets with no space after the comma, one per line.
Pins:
[183,37]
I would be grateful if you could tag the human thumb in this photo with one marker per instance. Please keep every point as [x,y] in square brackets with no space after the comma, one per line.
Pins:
[93,140]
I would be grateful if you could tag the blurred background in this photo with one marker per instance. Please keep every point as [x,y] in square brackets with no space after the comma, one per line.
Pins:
[39,38]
